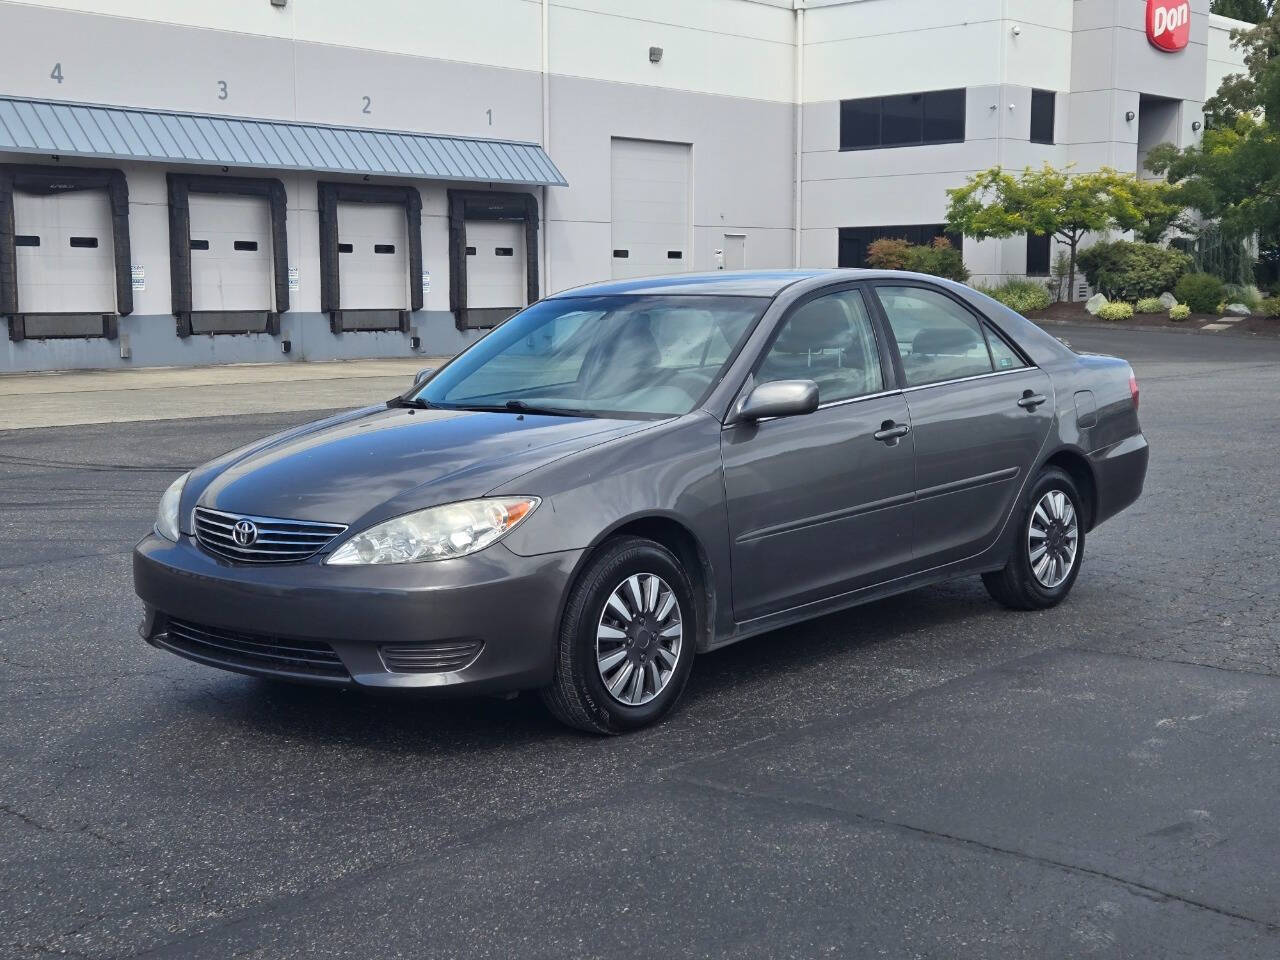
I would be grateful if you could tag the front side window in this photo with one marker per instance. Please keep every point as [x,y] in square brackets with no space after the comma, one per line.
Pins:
[829,341]
[630,356]
[936,337]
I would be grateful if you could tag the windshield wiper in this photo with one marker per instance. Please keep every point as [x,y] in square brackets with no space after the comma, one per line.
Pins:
[515,406]
[412,402]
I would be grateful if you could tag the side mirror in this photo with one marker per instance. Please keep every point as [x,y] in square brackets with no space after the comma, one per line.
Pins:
[780,398]
[423,375]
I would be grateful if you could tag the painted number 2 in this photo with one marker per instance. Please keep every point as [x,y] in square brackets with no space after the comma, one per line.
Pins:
[366,105]
[222,89]
[56,72]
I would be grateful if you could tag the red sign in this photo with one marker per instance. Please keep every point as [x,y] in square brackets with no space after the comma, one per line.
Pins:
[1169,24]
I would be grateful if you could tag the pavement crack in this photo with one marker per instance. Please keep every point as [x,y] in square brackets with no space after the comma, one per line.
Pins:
[872,820]
[43,827]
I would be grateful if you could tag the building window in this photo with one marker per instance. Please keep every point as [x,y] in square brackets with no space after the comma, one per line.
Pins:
[905,120]
[854,241]
[1043,103]
[1038,254]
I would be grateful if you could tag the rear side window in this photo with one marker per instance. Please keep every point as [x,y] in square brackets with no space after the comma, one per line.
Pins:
[936,337]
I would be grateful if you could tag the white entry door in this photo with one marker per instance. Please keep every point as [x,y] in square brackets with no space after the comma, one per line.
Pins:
[650,192]
[65,252]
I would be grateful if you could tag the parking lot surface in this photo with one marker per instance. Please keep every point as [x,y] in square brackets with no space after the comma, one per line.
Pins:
[928,776]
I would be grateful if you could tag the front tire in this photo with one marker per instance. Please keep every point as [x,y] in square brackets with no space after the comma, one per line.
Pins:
[1050,546]
[627,639]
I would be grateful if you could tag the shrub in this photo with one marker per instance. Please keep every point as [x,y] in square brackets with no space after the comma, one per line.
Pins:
[940,259]
[1179,311]
[1202,292]
[1149,305]
[1021,296]
[1116,311]
[1123,270]
[1270,308]
[888,253]
[1249,295]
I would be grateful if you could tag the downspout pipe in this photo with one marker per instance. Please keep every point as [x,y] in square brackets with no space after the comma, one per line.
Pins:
[798,210]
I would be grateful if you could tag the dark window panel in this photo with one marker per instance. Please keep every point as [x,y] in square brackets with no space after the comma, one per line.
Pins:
[903,121]
[26,240]
[854,241]
[1043,107]
[246,245]
[471,251]
[504,252]
[621,254]
[1038,254]
[674,254]
[87,242]
[199,244]
[345,248]
[384,248]
[944,112]
[860,124]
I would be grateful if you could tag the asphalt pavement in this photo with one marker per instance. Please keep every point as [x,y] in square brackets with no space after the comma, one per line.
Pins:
[928,776]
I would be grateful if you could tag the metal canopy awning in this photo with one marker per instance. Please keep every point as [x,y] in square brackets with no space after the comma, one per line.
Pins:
[119,133]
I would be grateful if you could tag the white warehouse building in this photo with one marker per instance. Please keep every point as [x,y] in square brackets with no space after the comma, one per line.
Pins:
[252,180]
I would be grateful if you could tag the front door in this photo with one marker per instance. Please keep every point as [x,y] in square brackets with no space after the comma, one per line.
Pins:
[819,504]
[979,414]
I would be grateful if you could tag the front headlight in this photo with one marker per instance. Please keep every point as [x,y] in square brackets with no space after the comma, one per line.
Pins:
[439,533]
[167,515]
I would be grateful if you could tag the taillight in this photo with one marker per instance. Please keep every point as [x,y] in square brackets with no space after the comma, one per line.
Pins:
[1133,388]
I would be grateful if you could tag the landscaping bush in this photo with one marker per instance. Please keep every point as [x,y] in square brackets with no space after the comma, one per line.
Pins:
[1020,295]
[939,259]
[1116,311]
[1249,295]
[1149,305]
[888,253]
[1202,292]
[1270,308]
[1179,312]
[1123,270]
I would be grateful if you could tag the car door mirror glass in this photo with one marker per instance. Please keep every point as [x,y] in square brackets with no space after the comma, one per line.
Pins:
[780,398]
[423,375]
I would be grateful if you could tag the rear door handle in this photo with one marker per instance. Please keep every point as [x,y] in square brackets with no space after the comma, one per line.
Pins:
[889,432]
[1031,400]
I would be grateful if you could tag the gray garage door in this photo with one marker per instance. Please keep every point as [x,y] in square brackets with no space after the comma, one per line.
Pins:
[651,233]
[65,253]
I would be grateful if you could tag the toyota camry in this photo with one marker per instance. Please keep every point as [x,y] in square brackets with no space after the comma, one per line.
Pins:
[625,475]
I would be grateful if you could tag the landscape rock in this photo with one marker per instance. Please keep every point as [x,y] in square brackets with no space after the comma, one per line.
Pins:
[1095,303]
[1238,310]
[1168,300]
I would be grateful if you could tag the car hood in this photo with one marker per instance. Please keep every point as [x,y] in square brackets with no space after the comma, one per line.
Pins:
[361,467]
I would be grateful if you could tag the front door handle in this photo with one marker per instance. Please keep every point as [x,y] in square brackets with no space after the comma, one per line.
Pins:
[889,432]
[1031,400]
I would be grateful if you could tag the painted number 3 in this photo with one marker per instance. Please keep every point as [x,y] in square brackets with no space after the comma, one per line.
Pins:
[222,89]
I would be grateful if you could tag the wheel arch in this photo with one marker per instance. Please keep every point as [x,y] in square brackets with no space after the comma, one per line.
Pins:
[675,535]
[1076,465]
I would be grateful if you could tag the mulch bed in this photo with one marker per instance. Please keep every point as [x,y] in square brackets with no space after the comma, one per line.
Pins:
[1076,313]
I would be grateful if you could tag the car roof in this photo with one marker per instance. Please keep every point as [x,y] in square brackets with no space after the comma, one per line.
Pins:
[728,283]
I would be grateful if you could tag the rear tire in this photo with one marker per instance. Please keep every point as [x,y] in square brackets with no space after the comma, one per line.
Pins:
[1049,547]
[627,639]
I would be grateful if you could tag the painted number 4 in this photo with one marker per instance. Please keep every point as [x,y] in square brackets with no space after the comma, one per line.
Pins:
[56,72]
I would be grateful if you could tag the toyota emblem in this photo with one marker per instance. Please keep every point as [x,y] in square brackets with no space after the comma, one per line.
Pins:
[245,533]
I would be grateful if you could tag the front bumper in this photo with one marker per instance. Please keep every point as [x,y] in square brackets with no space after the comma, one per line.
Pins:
[511,604]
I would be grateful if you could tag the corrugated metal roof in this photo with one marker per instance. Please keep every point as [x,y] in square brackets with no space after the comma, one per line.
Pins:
[86,130]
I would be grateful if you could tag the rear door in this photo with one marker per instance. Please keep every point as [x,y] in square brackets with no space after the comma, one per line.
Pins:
[817,504]
[980,413]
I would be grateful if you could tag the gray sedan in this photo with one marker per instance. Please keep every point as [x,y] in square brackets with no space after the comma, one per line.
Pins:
[624,475]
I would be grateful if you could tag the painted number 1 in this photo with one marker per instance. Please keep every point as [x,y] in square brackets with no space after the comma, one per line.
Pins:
[489,114]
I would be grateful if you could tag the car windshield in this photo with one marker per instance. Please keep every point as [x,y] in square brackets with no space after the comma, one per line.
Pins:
[630,356]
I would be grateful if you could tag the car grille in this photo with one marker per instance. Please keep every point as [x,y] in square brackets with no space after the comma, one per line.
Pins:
[276,541]
[255,650]
[429,657]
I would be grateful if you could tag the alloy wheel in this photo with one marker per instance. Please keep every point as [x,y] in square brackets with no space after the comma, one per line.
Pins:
[638,639]
[1053,538]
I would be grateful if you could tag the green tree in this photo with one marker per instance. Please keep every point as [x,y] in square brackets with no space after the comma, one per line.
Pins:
[1251,10]
[1063,204]
[1233,174]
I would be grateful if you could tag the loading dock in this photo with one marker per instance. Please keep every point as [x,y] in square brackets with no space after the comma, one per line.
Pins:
[650,204]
